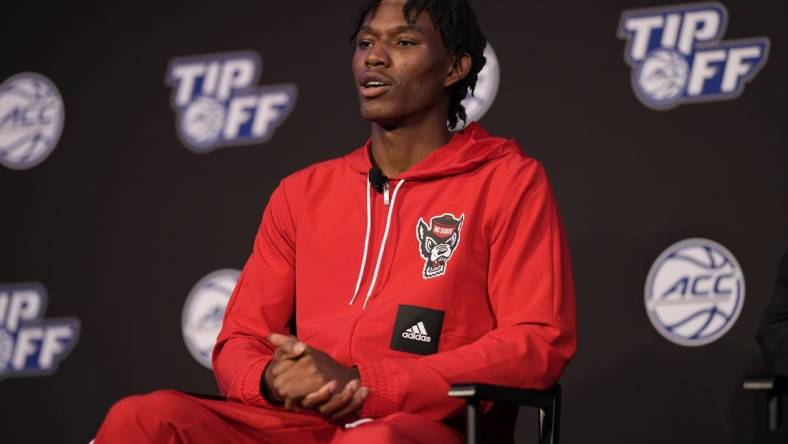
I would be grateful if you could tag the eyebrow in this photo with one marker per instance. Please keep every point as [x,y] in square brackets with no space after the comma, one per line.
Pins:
[397,30]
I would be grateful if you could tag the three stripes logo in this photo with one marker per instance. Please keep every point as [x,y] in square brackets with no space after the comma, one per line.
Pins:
[417,333]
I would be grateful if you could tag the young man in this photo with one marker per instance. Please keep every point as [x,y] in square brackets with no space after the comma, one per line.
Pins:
[419,260]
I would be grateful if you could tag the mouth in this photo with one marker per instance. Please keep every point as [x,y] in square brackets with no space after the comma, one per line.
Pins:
[374,85]
[438,263]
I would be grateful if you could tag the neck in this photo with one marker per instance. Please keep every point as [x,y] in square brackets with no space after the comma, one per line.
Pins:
[397,149]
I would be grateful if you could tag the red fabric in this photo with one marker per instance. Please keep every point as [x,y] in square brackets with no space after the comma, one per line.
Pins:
[507,291]
[171,417]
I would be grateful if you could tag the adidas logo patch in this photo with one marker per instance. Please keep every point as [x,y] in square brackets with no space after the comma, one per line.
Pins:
[417,333]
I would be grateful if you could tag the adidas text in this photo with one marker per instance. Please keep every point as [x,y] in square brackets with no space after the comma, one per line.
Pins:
[416,336]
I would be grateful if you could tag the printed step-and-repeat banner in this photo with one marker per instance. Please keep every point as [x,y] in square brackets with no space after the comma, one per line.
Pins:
[138,148]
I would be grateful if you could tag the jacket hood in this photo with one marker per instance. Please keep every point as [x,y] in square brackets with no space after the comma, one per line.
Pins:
[466,150]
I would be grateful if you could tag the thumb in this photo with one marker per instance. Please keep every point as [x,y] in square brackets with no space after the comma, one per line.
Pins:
[289,346]
[293,349]
[278,339]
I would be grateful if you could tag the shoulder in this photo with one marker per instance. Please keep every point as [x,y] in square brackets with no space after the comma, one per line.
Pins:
[316,170]
[319,181]
[515,169]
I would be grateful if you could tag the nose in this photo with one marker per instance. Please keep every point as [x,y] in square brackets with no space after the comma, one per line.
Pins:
[377,56]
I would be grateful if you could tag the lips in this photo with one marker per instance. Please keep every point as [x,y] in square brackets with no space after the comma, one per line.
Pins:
[373,85]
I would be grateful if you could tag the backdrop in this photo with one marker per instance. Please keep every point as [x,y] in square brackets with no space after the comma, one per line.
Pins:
[124,217]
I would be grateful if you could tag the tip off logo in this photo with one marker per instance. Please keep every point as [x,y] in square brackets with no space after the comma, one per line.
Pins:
[29,344]
[218,103]
[31,120]
[203,313]
[478,103]
[677,55]
[694,292]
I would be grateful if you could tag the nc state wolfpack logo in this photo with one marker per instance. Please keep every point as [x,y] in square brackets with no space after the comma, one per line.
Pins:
[438,241]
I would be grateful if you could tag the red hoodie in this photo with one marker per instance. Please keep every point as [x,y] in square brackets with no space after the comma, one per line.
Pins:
[457,272]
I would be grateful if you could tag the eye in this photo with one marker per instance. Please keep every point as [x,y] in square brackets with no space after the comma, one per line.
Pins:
[406,43]
[430,244]
[364,44]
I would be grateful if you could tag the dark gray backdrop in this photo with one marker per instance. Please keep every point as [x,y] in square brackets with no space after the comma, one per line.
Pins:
[121,220]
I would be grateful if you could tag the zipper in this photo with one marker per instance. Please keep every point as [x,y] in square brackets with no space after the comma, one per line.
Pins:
[389,200]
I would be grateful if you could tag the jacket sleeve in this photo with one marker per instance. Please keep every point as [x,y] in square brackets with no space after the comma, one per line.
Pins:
[531,293]
[262,302]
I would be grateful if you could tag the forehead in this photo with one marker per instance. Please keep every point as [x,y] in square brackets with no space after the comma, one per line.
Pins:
[389,14]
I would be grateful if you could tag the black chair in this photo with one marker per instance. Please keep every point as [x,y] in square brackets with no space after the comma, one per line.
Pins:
[774,386]
[548,403]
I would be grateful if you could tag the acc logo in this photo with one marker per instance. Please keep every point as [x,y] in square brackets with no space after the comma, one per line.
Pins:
[677,55]
[694,292]
[478,103]
[218,103]
[31,120]
[437,242]
[29,344]
[203,313]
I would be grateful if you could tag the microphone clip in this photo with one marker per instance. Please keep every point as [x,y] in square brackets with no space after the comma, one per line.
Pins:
[377,179]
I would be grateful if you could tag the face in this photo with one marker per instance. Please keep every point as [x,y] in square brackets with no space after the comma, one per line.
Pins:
[401,69]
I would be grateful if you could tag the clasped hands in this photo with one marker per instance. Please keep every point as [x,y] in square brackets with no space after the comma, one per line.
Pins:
[305,378]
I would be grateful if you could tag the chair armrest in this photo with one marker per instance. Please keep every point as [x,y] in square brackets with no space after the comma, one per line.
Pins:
[542,399]
[547,401]
[775,386]
[771,383]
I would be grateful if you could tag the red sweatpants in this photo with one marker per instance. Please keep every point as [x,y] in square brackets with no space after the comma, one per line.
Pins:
[171,417]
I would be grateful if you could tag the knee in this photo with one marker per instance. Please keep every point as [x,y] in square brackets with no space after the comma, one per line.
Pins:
[375,431]
[401,427]
[129,411]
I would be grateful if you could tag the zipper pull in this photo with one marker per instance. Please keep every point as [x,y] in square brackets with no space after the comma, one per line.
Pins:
[386,197]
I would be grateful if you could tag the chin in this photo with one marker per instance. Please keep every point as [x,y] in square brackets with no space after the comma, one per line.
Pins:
[379,115]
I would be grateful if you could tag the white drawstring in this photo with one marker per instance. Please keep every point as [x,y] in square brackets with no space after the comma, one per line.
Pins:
[366,249]
[382,243]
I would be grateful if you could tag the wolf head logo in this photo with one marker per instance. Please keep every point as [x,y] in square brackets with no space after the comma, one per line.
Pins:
[437,242]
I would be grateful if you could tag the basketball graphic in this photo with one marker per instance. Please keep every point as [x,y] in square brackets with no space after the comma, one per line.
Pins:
[694,292]
[479,103]
[203,313]
[202,122]
[6,347]
[31,120]
[662,77]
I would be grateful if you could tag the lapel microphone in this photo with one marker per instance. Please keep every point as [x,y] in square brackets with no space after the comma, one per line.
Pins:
[377,179]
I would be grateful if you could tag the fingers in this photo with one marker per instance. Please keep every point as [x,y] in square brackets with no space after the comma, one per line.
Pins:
[299,377]
[277,368]
[291,404]
[287,347]
[319,397]
[354,406]
[340,400]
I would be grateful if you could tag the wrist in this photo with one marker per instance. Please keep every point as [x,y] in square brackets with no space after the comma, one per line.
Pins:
[265,387]
[356,373]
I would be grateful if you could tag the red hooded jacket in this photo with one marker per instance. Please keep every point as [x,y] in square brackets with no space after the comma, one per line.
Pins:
[458,271]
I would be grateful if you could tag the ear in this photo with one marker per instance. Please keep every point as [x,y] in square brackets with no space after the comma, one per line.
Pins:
[458,69]
[452,240]
[422,230]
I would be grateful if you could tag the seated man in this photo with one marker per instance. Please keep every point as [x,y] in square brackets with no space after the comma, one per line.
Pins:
[419,260]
